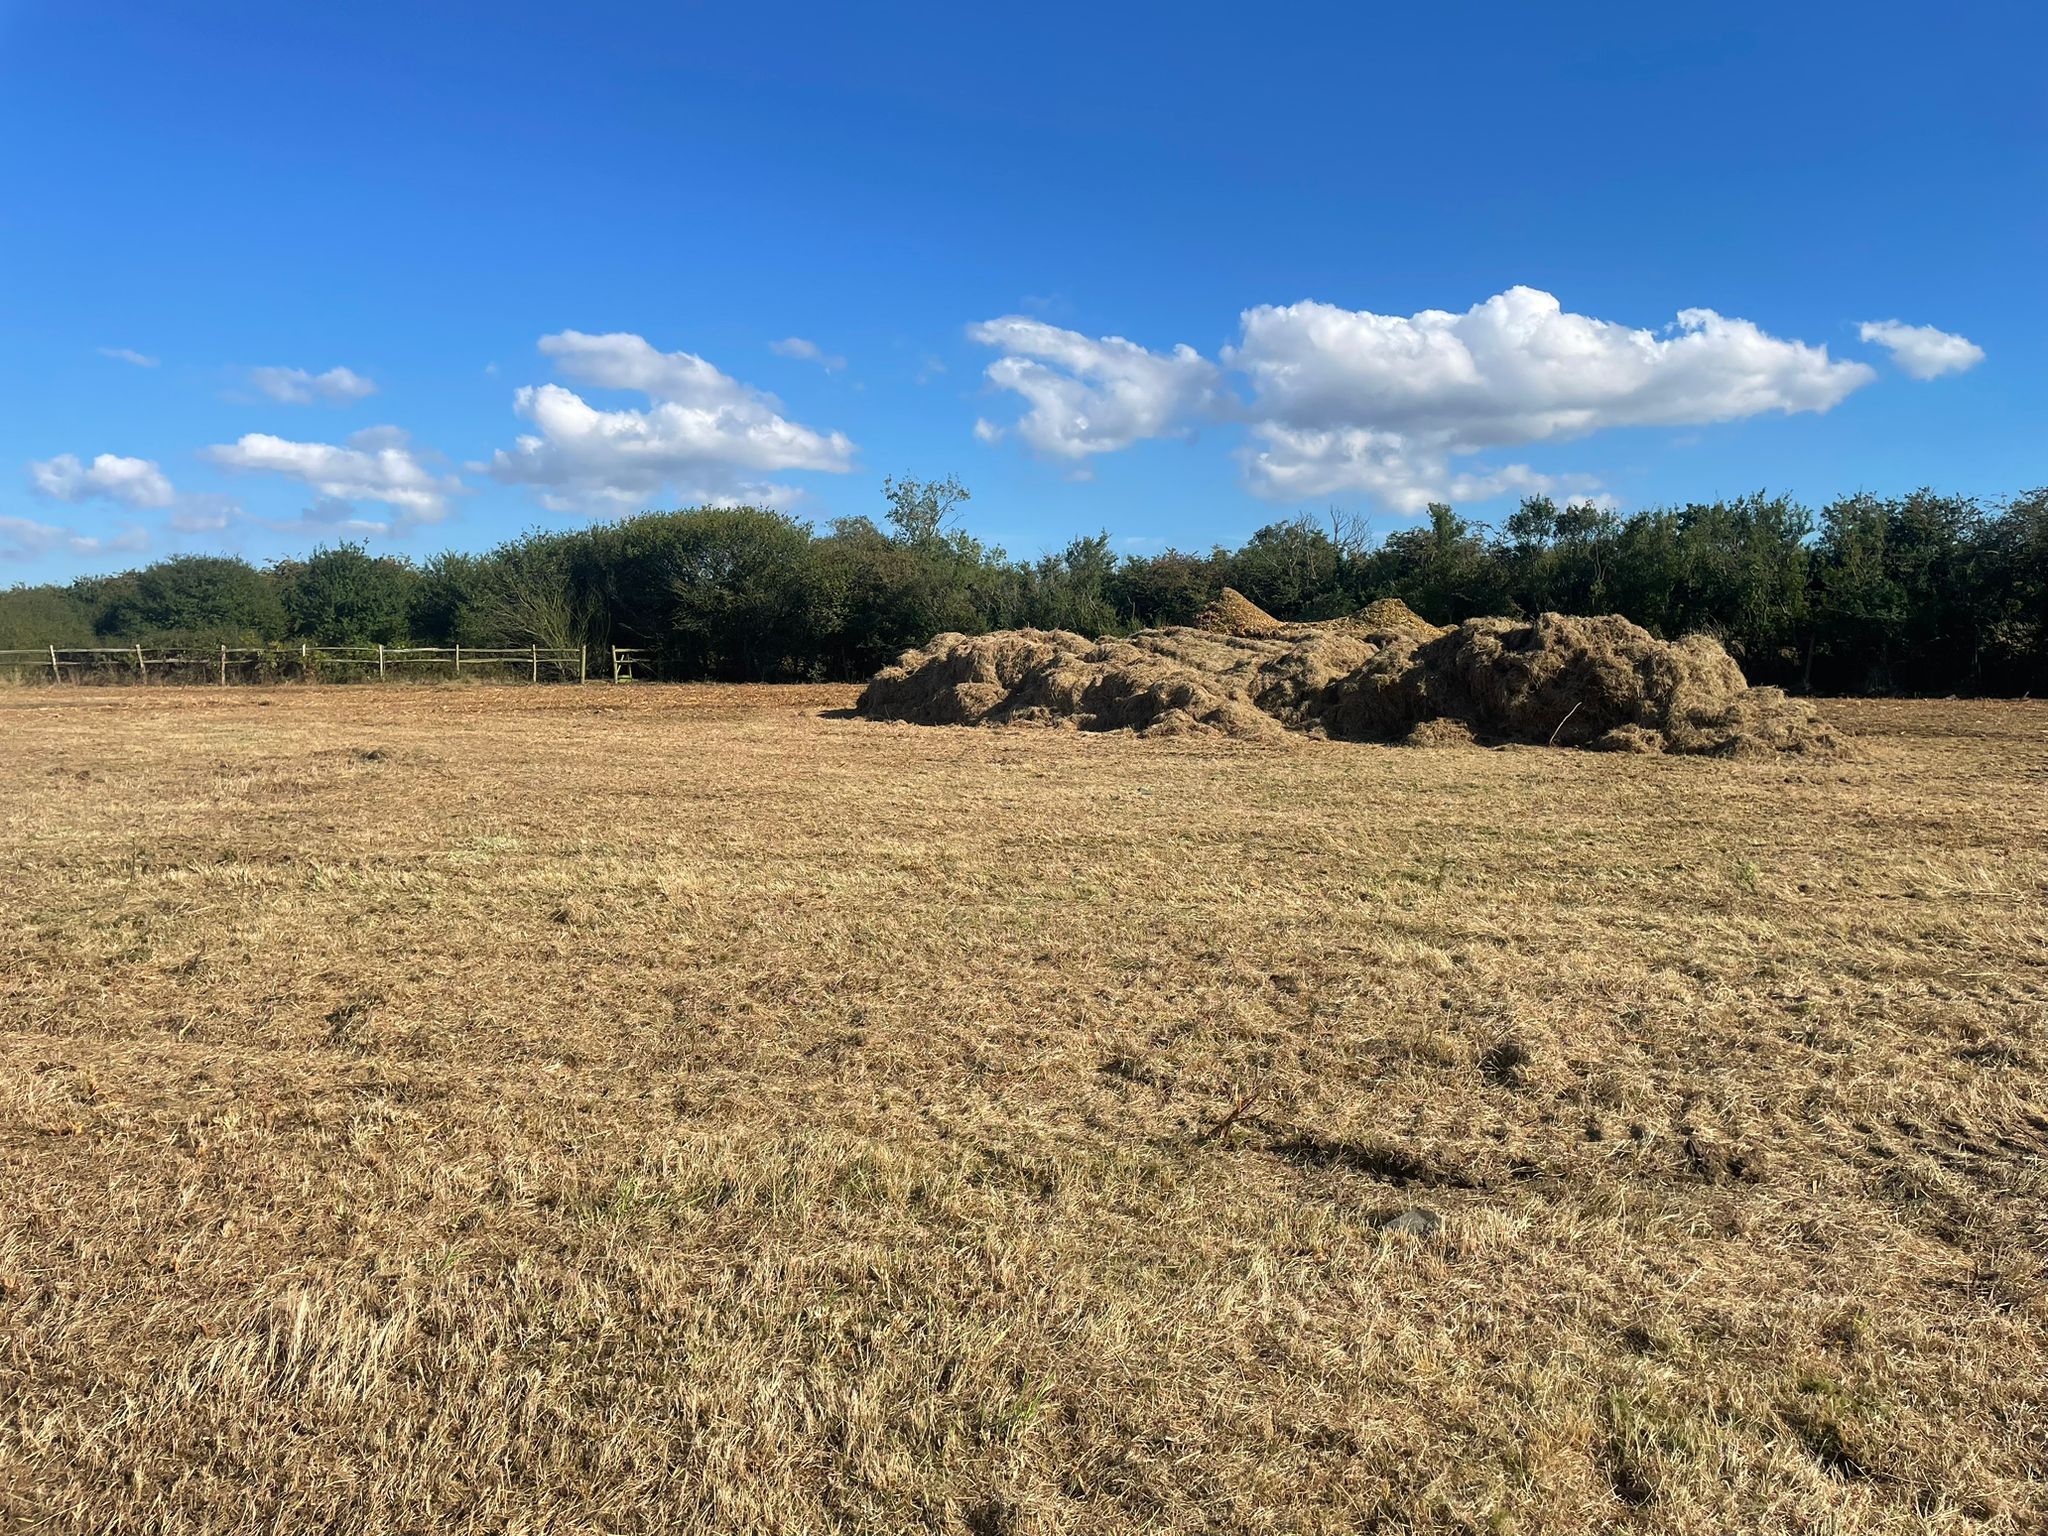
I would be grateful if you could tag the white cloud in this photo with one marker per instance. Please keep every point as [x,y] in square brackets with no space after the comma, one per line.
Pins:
[1385,404]
[1397,471]
[1921,350]
[204,512]
[132,482]
[22,538]
[135,483]
[1087,395]
[807,351]
[376,438]
[1397,406]
[295,386]
[704,435]
[385,470]
[129,355]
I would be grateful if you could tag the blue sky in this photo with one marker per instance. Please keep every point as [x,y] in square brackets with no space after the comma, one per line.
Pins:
[272,276]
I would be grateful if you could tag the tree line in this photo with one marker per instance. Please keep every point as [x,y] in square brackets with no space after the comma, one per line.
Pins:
[1917,593]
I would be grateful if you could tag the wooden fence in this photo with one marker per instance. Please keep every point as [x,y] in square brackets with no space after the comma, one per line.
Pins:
[308,663]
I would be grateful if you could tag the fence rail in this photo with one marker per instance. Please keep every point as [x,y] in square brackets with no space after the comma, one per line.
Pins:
[306,663]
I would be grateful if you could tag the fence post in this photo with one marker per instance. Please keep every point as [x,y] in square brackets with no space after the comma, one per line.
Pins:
[141,666]
[223,666]
[615,666]
[305,664]
[380,661]
[583,663]
[458,658]
[533,652]
[55,675]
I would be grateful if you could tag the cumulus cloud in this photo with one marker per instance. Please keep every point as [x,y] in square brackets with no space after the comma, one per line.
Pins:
[137,483]
[295,386]
[1086,395]
[807,351]
[1921,350]
[23,538]
[129,355]
[1351,400]
[110,476]
[1398,407]
[1388,467]
[1518,368]
[378,465]
[704,436]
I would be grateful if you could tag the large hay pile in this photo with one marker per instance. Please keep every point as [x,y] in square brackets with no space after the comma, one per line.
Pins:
[1390,615]
[1158,682]
[1602,683]
[1232,613]
[1574,682]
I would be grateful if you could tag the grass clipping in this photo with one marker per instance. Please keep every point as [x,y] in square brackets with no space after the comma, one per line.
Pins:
[1383,675]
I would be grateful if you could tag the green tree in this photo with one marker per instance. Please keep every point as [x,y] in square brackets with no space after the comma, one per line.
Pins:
[873,592]
[1893,591]
[1560,560]
[441,608]
[1294,570]
[1071,590]
[45,615]
[923,510]
[745,605]
[1168,588]
[1446,571]
[208,598]
[347,596]
[531,591]
[1743,576]
[2008,583]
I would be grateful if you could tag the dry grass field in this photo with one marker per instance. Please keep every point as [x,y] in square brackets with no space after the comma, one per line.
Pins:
[632,1110]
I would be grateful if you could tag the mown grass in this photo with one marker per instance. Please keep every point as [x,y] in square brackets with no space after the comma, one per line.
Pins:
[633,1110]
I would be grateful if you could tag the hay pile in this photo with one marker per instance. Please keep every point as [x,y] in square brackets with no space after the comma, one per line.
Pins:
[1600,683]
[1389,615]
[1158,682]
[1232,613]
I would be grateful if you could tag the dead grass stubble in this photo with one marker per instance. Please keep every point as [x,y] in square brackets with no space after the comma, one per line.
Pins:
[615,1110]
